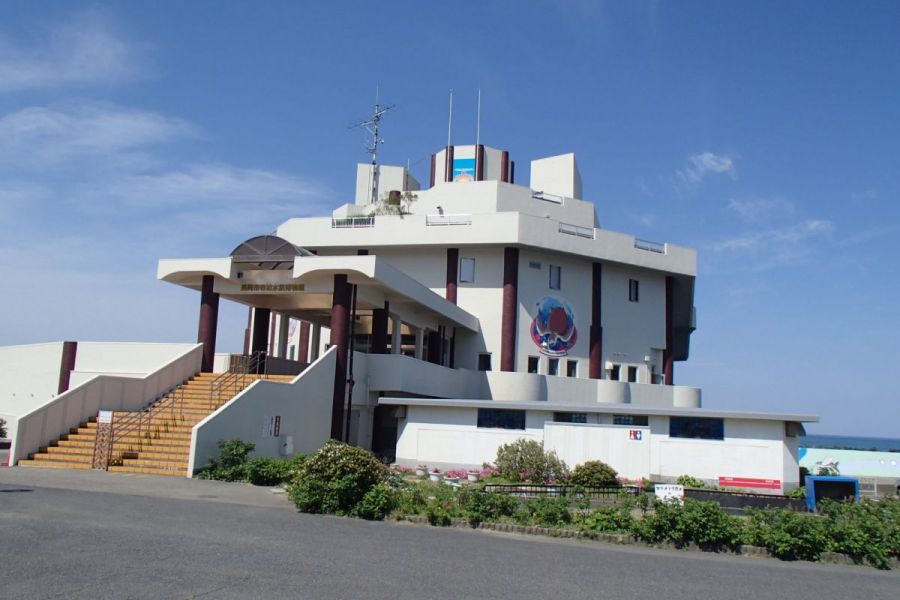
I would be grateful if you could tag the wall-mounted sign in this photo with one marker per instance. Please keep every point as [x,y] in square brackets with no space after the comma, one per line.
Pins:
[635,434]
[104,417]
[271,287]
[553,328]
[750,482]
[669,492]
[463,169]
[271,426]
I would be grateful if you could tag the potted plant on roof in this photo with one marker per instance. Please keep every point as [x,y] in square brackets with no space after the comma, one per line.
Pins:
[453,476]
[473,475]
[421,470]
[435,475]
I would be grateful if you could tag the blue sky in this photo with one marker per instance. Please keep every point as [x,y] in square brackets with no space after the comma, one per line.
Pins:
[763,134]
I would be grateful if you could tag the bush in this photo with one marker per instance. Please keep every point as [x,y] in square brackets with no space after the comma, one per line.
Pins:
[377,503]
[595,473]
[798,493]
[479,506]
[786,534]
[263,470]
[231,464]
[410,500]
[2,428]
[608,519]
[690,482]
[545,511]
[869,531]
[437,514]
[335,479]
[703,523]
[526,460]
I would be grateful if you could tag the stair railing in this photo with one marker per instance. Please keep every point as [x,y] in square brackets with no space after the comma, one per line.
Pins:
[238,376]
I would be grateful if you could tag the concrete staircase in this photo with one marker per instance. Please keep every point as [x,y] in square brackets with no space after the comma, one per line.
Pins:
[156,442]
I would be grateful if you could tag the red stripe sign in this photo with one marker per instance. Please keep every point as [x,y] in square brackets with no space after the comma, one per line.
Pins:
[750,482]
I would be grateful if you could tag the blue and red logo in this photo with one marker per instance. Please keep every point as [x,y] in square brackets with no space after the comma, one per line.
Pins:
[553,329]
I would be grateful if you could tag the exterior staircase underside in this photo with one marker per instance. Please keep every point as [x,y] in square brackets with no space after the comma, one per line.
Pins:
[161,447]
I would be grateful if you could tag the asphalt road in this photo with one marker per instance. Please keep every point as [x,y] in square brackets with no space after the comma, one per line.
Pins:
[98,535]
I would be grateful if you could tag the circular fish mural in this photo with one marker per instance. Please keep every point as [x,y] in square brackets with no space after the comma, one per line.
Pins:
[553,329]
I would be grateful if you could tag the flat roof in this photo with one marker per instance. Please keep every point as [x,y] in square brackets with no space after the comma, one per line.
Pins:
[619,409]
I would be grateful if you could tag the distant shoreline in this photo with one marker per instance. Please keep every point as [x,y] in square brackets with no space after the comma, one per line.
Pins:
[846,442]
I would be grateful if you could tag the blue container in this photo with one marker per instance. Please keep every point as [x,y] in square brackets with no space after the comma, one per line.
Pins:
[832,487]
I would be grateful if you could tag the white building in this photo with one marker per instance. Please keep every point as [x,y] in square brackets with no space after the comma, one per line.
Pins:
[468,314]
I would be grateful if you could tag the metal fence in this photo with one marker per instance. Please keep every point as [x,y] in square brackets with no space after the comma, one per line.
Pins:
[527,490]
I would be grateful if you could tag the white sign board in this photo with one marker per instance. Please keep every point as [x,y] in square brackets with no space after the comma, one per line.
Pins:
[104,417]
[669,492]
[271,426]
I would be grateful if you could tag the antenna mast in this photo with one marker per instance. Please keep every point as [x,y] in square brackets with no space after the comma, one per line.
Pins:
[371,125]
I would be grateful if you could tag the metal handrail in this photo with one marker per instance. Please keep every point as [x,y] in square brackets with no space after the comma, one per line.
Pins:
[229,383]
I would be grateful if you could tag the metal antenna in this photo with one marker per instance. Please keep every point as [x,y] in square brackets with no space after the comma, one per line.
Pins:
[450,118]
[371,125]
[477,132]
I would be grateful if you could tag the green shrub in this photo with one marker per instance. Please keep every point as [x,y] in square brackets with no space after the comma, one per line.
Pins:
[690,482]
[703,523]
[545,511]
[608,519]
[526,460]
[410,500]
[786,534]
[2,428]
[869,531]
[797,493]
[335,479]
[377,503]
[230,464]
[264,470]
[437,514]
[479,506]
[595,473]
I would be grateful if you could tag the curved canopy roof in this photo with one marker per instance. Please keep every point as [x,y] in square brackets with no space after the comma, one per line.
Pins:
[267,252]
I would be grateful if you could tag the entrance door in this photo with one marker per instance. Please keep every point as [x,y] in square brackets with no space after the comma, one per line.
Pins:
[384,433]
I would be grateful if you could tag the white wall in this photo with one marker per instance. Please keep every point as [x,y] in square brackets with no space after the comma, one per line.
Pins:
[105,392]
[30,376]
[122,359]
[557,175]
[577,443]
[304,406]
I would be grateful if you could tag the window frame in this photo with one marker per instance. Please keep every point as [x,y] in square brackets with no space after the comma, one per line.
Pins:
[481,356]
[570,417]
[634,290]
[500,418]
[553,366]
[537,364]
[701,428]
[631,420]
[571,368]
[555,269]
[465,277]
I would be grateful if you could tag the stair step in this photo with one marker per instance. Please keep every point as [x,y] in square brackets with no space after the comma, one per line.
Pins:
[53,464]
[150,471]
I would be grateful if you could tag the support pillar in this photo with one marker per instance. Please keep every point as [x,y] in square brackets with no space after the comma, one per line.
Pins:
[380,330]
[479,162]
[434,347]
[66,365]
[509,320]
[396,332]
[448,164]
[208,323]
[668,354]
[315,343]
[260,330]
[504,166]
[420,343]
[595,360]
[340,337]
[452,273]
[284,324]
[303,344]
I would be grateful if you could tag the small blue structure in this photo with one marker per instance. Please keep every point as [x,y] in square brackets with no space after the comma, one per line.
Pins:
[833,487]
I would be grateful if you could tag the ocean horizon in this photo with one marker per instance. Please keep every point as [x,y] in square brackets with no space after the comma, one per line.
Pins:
[850,442]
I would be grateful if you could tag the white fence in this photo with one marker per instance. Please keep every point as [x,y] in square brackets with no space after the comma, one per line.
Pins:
[458,219]
[107,392]
[570,229]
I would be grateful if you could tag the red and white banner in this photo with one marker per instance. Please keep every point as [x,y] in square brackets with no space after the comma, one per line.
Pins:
[750,482]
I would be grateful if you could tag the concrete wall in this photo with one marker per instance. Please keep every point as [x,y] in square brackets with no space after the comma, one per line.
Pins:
[55,417]
[122,359]
[30,376]
[304,408]
[577,443]
[557,175]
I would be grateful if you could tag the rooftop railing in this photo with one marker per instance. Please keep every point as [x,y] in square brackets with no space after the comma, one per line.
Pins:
[352,222]
[547,197]
[458,219]
[649,246]
[570,229]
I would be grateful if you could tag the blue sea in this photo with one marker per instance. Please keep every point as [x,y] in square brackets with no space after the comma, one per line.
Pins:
[850,442]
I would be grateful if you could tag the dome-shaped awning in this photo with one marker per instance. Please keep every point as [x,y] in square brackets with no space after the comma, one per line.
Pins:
[267,252]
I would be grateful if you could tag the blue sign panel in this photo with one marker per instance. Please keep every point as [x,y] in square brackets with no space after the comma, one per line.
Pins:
[463,169]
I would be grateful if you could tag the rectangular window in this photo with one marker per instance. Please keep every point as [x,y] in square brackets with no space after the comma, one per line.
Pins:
[484,361]
[614,373]
[633,290]
[533,264]
[534,363]
[571,368]
[553,366]
[555,277]
[564,417]
[638,420]
[632,374]
[467,270]
[501,419]
[291,350]
[696,427]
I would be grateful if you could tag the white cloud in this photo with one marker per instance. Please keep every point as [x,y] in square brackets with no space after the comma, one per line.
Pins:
[754,210]
[82,51]
[776,247]
[699,166]
[38,136]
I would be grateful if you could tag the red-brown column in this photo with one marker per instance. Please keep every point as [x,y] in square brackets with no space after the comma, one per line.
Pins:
[504,166]
[595,360]
[380,330]
[433,167]
[209,322]
[512,171]
[448,164]
[303,344]
[340,337]
[260,330]
[452,273]
[66,365]
[508,322]
[668,355]
[479,162]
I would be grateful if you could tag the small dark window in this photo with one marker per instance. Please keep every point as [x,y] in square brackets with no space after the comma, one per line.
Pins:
[632,374]
[501,419]
[614,373]
[555,277]
[633,290]
[533,264]
[533,363]
[553,366]
[696,427]
[467,270]
[484,362]
[564,417]
[571,368]
[637,420]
